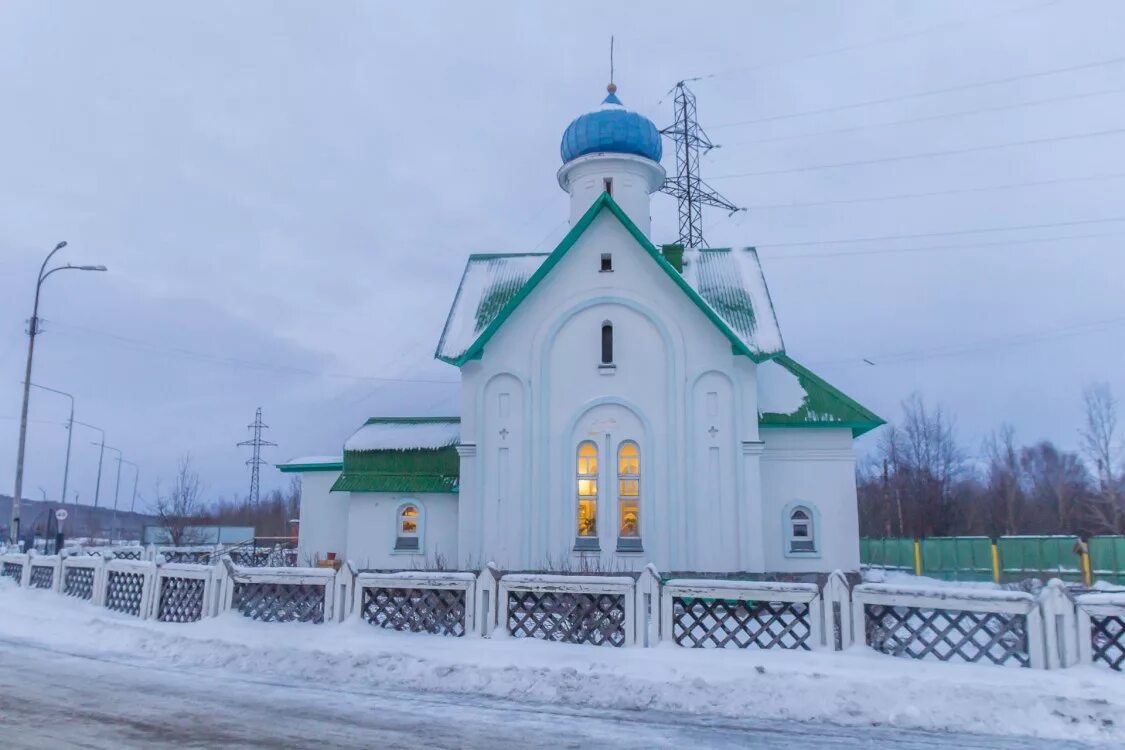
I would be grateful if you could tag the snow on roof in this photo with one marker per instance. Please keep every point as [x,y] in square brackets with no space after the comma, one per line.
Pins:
[729,281]
[489,283]
[312,460]
[405,433]
[732,283]
[779,390]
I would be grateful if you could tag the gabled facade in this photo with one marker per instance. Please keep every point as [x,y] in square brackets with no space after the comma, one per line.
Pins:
[621,404]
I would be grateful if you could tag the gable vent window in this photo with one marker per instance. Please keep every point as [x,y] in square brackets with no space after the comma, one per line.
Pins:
[607,262]
[607,344]
[608,185]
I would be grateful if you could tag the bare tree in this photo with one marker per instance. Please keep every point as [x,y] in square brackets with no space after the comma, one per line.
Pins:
[1004,481]
[181,508]
[1105,513]
[1057,485]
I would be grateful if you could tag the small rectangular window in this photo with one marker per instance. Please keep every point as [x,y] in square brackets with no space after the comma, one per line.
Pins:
[608,182]
[607,262]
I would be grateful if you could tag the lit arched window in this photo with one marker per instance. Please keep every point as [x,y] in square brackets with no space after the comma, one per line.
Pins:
[802,530]
[409,533]
[587,489]
[628,495]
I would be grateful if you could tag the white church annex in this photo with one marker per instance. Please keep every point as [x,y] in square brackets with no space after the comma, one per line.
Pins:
[622,403]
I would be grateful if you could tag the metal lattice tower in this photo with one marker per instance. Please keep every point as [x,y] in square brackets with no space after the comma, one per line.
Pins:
[687,186]
[255,462]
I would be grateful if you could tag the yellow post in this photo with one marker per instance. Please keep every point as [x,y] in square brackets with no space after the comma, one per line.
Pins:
[1087,573]
[995,562]
[917,556]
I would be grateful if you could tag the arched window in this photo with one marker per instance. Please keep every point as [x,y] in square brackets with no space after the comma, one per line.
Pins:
[801,524]
[607,343]
[587,493]
[628,496]
[408,532]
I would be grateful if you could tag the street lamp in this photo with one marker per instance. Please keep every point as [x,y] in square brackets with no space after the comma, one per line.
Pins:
[32,331]
[69,434]
[136,478]
[117,489]
[101,455]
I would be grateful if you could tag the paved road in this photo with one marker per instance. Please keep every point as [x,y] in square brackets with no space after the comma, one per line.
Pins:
[50,698]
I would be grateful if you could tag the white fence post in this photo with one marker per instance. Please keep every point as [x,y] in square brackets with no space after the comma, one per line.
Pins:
[1060,625]
[488,599]
[837,597]
[647,607]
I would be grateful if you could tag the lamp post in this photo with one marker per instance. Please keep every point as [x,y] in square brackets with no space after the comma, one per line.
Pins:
[116,491]
[136,478]
[69,435]
[32,331]
[101,455]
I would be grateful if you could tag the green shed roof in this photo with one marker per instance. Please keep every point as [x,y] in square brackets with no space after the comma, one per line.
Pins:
[791,395]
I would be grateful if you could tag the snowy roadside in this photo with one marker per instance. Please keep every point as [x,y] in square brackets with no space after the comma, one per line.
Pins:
[855,688]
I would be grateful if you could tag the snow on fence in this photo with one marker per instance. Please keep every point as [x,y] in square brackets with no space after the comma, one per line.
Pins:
[1101,629]
[417,601]
[599,610]
[46,572]
[82,577]
[129,586]
[15,566]
[280,594]
[950,624]
[198,555]
[185,592]
[741,614]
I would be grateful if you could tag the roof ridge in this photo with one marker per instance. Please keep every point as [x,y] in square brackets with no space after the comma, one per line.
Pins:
[410,420]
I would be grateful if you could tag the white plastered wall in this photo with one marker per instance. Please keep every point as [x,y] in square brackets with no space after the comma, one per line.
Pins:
[372,528]
[324,517]
[813,466]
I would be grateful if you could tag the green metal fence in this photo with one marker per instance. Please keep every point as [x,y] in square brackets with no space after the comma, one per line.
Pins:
[969,558]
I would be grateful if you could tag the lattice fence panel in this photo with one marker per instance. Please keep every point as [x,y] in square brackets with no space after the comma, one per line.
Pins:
[79,582]
[181,599]
[128,554]
[264,557]
[124,591]
[12,570]
[437,611]
[598,619]
[727,623]
[42,577]
[280,602]
[1107,635]
[948,635]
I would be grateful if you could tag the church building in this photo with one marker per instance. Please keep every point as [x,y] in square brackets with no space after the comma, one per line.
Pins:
[622,403]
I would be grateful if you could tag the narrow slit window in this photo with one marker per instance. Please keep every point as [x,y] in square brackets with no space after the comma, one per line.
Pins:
[629,495]
[587,490]
[607,262]
[607,343]
[608,183]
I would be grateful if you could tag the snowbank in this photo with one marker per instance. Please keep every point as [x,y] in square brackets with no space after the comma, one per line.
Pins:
[853,688]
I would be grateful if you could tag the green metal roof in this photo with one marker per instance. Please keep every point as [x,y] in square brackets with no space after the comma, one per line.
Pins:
[493,286]
[822,404]
[402,454]
[293,467]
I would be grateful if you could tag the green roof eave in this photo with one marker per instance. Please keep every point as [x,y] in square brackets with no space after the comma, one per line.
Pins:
[294,468]
[385,482]
[826,406]
[604,201]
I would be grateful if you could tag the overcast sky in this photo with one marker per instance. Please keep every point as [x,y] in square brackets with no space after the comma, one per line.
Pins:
[286,192]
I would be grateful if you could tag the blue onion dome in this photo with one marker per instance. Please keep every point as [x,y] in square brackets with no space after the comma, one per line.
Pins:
[611,129]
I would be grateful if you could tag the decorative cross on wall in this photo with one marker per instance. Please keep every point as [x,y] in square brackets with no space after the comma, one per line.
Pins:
[713,431]
[504,433]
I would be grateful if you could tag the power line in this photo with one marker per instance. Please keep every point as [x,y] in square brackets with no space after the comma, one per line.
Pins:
[942,234]
[925,155]
[997,342]
[930,248]
[928,92]
[245,363]
[927,118]
[874,42]
[933,193]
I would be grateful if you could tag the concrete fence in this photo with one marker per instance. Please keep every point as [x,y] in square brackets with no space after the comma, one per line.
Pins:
[1050,630]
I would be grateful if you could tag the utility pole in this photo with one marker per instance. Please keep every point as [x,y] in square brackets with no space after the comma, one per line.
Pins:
[136,477]
[116,492]
[687,187]
[255,461]
[101,455]
[32,331]
[69,435]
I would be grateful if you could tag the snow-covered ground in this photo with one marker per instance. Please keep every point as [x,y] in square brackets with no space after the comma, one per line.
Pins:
[863,694]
